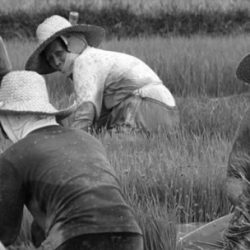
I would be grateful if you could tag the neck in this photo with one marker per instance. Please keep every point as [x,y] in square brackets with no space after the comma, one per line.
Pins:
[19,126]
[69,62]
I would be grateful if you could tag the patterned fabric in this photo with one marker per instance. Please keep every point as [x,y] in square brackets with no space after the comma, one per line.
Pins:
[106,79]
[65,180]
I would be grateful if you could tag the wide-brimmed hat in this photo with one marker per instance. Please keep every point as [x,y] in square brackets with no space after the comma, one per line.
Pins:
[52,28]
[5,64]
[243,69]
[25,92]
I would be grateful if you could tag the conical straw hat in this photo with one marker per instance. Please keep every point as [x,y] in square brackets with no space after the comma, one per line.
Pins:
[25,92]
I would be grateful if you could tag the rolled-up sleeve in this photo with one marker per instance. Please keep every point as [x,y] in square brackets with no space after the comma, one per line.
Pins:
[11,202]
[83,117]
[89,87]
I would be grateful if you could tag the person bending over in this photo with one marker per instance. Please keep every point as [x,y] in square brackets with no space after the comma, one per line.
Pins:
[114,90]
[61,175]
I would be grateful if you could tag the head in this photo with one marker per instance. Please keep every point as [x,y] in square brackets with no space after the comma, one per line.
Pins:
[56,53]
[24,99]
[61,53]
[70,40]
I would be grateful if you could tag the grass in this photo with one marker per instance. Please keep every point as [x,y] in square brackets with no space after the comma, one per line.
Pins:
[168,181]
[196,66]
[200,65]
[137,6]
[172,179]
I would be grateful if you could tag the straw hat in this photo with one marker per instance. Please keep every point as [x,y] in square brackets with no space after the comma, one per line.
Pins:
[5,64]
[52,28]
[243,69]
[25,92]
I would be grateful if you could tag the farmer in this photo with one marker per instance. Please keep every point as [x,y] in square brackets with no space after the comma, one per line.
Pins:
[62,175]
[114,90]
[238,181]
[231,232]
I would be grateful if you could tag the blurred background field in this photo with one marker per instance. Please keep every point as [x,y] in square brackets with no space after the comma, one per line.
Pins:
[195,47]
[128,18]
[138,5]
[196,66]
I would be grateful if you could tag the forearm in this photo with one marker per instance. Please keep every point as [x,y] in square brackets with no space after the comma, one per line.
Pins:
[84,117]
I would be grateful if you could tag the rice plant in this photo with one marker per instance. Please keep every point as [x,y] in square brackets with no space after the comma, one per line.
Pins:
[175,179]
[193,67]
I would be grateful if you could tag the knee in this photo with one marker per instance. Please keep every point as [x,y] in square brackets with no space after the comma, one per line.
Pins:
[234,189]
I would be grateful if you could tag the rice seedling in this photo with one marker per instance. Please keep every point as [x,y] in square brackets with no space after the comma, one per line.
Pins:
[194,67]
[180,178]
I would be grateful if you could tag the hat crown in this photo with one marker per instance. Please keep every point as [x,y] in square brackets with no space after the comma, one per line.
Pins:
[50,26]
[23,86]
[26,92]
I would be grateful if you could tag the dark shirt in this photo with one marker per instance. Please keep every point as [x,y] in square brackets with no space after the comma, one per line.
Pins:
[236,235]
[65,180]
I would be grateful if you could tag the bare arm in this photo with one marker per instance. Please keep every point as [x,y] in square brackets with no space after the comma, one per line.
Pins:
[83,118]
[89,88]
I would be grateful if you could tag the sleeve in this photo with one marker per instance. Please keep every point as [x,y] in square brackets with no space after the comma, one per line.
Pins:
[238,171]
[83,118]
[89,86]
[11,202]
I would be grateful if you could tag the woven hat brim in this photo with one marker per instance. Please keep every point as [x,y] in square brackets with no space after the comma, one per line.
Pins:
[37,62]
[59,114]
[243,69]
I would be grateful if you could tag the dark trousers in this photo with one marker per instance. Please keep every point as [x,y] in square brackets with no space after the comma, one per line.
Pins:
[105,241]
[136,114]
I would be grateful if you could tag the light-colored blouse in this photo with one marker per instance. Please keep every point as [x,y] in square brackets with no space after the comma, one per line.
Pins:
[108,77]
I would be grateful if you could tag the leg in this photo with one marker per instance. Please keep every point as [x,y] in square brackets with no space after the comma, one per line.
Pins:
[136,114]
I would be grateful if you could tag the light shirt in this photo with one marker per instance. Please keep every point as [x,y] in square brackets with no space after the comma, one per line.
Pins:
[107,77]
[18,126]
